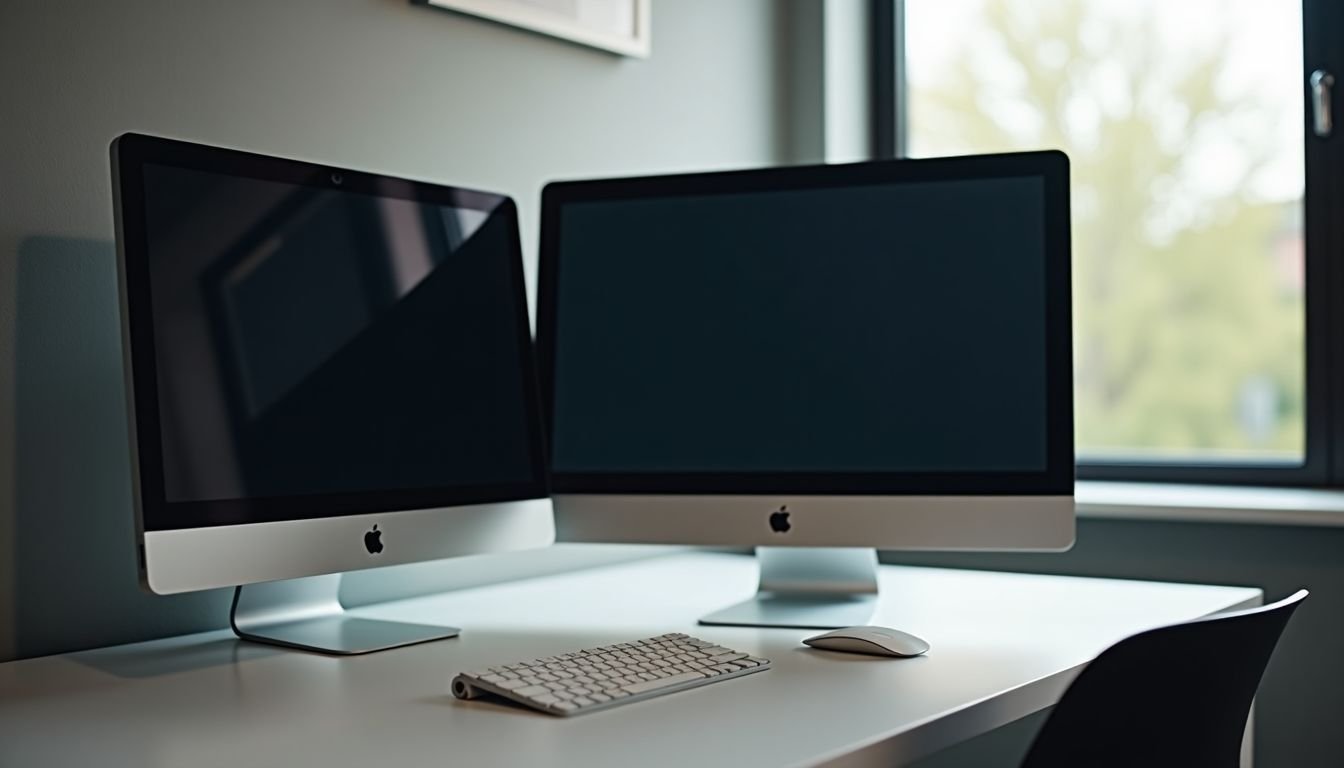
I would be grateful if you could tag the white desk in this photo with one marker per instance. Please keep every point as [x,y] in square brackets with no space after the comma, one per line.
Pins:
[1003,646]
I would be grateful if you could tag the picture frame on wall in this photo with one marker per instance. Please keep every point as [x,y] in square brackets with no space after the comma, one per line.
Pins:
[619,26]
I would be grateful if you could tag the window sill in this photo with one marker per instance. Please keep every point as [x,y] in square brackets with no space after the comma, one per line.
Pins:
[1209,503]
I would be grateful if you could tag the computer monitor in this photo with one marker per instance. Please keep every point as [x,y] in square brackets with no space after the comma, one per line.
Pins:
[327,370]
[817,361]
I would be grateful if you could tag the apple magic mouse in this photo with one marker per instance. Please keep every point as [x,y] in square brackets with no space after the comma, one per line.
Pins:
[874,641]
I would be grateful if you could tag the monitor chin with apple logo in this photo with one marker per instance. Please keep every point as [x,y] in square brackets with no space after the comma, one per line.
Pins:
[327,370]
[815,361]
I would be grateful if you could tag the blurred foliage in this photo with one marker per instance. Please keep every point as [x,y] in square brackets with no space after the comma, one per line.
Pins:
[1188,307]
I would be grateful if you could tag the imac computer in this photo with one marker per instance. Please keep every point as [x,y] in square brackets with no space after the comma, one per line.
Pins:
[327,370]
[816,361]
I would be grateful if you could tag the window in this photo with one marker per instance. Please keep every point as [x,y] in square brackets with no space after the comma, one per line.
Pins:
[1194,156]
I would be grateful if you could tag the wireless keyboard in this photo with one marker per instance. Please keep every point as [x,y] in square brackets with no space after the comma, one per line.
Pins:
[598,678]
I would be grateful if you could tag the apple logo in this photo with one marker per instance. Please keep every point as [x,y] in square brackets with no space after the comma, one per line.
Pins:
[779,521]
[373,540]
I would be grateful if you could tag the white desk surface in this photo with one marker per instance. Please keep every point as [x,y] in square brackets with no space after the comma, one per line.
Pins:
[1003,646]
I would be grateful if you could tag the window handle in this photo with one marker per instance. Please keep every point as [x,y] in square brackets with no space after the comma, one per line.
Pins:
[1321,83]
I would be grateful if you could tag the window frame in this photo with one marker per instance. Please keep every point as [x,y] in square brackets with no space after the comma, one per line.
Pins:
[1323,237]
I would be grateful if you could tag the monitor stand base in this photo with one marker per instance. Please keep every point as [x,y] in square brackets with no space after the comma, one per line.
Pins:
[307,614]
[808,588]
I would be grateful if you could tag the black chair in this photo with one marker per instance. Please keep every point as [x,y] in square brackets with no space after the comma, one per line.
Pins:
[1172,696]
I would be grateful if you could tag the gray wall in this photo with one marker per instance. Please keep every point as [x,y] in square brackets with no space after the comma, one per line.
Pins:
[375,84]
[1302,696]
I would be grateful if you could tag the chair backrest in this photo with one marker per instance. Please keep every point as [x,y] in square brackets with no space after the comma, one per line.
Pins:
[1173,696]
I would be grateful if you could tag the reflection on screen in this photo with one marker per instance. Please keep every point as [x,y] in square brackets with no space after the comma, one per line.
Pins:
[312,341]
[871,329]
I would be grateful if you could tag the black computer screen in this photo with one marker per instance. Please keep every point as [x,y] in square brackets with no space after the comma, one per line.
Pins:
[876,328]
[313,341]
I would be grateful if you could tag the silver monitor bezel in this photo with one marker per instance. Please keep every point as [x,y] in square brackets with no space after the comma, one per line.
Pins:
[983,523]
[913,511]
[412,526]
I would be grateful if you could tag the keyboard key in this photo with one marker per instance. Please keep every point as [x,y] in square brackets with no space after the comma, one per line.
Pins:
[724,658]
[653,685]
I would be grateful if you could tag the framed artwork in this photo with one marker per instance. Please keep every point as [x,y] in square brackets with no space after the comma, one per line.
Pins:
[620,26]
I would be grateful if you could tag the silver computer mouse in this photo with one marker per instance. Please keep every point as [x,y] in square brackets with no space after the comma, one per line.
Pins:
[874,641]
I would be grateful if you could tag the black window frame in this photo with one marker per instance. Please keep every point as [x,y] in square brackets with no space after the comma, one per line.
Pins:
[1323,233]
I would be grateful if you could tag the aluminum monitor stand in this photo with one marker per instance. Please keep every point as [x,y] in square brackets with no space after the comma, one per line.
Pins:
[808,588]
[307,614]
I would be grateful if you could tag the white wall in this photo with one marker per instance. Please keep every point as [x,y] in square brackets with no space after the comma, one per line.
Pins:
[374,84]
